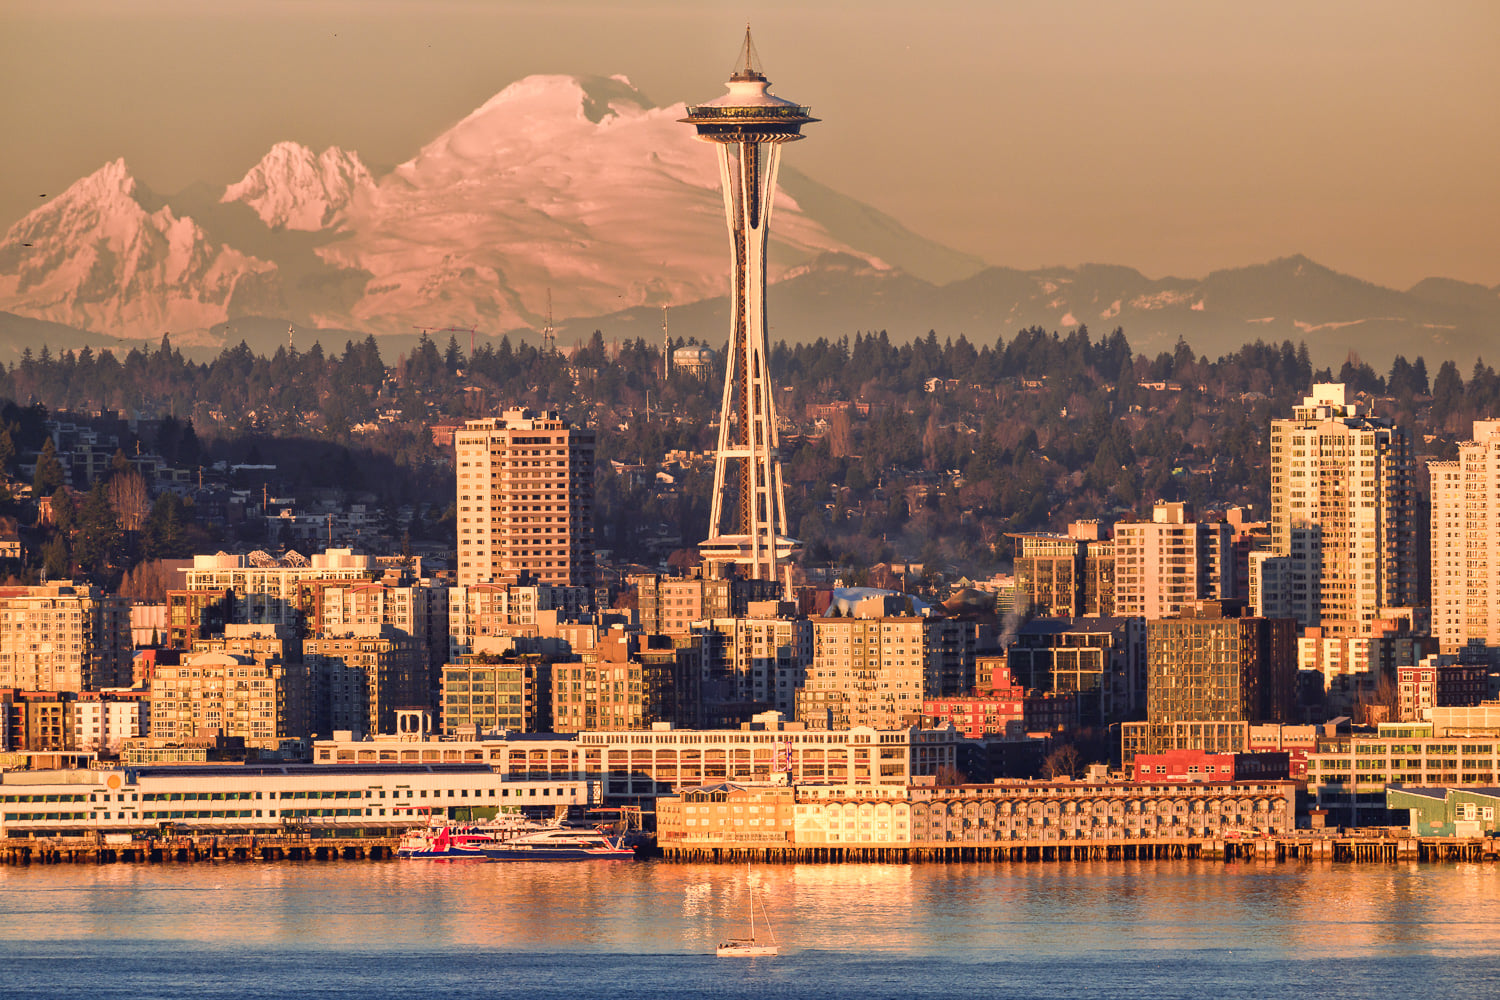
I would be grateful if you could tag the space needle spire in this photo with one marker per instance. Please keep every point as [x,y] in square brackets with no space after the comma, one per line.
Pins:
[747,525]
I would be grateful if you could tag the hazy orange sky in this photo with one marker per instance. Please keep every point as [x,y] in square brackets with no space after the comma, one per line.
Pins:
[1174,137]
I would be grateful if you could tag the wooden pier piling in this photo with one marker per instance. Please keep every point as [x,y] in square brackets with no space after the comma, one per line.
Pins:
[1300,847]
[175,849]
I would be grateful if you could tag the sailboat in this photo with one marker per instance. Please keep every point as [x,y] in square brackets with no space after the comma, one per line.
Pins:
[750,947]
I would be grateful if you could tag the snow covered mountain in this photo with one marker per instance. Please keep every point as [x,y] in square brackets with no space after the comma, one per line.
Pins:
[552,184]
[292,188]
[582,188]
[104,256]
[577,187]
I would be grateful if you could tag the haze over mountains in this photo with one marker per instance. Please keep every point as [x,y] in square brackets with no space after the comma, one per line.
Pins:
[581,188]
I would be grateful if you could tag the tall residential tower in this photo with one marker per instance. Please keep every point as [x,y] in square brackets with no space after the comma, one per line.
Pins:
[1343,539]
[1465,539]
[747,524]
[525,500]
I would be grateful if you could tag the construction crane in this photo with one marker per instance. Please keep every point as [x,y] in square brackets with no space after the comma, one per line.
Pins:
[463,329]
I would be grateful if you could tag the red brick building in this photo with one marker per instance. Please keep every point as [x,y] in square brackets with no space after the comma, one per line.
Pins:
[1004,712]
[1439,682]
[1200,765]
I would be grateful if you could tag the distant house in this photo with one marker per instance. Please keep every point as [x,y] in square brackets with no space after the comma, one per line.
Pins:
[44,513]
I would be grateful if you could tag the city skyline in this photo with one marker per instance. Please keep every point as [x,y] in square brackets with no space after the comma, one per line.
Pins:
[1168,137]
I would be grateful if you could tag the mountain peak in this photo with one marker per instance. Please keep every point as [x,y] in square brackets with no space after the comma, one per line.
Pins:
[113,176]
[292,188]
[105,254]
[107,199]
[593,97]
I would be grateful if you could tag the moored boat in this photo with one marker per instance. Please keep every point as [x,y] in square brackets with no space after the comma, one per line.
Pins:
[446,842]
[515,839]
[561,843]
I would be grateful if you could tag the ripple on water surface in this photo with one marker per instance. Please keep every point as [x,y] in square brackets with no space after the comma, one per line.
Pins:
[622,929]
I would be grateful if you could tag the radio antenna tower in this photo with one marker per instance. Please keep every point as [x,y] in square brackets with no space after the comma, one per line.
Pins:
[747,522]
[549,335]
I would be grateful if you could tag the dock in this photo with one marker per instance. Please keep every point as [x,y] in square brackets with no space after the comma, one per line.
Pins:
[178,849]
[1300,847]
[249,848]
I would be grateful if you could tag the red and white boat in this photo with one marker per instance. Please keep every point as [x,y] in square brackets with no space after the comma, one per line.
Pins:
[514,839]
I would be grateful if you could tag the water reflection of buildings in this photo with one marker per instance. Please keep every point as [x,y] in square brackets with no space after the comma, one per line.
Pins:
[1336,928]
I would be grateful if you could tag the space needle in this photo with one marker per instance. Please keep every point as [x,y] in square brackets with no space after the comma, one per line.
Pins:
[747,522]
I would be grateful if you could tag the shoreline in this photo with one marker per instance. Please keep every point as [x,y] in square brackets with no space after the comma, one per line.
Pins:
[272,848]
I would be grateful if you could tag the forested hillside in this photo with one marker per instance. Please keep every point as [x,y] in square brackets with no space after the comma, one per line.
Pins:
[945,446]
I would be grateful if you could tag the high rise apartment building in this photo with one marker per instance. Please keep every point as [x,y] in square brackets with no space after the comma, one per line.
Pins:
[1067,576]
[1343,539]
[525,500]
[484,612]
[514,696]
[237,685]
[619,685]
[63,637]
[420,610]
[877,671]
[761,659]
[196,614]
[671,605]
[1210,674]
[1466,542]
[395,676]
[1102,661]
[1170,561]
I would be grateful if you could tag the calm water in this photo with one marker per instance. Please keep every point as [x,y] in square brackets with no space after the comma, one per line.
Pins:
[622,929]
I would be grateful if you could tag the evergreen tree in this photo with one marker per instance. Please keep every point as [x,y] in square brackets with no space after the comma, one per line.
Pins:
[64,511]
[1447,390]
[56,562]
[97,542]
[49,472]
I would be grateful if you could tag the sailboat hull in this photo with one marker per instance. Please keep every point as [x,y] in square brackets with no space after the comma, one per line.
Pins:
[745,949]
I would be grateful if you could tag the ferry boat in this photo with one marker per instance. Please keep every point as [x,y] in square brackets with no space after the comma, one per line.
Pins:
[514,839]
[445,842]
[561,843]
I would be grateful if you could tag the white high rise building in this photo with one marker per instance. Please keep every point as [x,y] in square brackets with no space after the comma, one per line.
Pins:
[1170,561]
[63,636]
[1466,542]
[1343,538]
